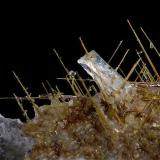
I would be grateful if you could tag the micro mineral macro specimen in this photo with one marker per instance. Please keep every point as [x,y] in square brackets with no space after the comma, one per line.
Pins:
[120,121]
[90,127]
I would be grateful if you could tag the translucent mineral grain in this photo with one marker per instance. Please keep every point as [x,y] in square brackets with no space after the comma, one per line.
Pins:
[109,81]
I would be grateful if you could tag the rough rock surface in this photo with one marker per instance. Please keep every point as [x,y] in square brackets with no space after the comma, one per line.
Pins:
[13,143]
[76,131]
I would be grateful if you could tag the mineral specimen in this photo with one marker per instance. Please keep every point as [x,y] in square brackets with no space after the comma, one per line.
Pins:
[121,121]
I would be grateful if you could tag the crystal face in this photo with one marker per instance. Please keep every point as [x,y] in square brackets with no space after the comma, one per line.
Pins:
[104,75]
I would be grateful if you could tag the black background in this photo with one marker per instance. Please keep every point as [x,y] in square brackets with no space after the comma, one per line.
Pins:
[28,39]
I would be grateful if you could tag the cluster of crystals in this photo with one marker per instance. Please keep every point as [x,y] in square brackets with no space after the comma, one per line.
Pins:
[72,130]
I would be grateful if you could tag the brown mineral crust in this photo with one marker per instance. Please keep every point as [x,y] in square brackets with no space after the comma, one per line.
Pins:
[69,131]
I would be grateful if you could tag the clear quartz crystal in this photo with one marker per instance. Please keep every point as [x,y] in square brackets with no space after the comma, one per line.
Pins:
[108,80]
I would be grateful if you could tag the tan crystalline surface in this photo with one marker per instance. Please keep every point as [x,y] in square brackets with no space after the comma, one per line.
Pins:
[64,131]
